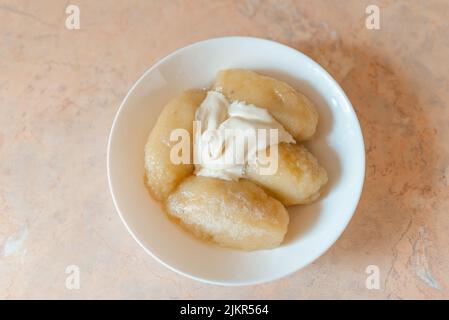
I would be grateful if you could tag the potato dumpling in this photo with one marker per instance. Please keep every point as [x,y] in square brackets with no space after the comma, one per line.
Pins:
[292,109]
[235,214]
[298,178]
[162,175]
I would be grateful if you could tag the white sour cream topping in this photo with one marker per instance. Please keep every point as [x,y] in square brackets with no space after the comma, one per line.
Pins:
[222,149]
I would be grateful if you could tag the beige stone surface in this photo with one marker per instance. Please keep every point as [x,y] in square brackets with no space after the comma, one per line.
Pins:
[60,89]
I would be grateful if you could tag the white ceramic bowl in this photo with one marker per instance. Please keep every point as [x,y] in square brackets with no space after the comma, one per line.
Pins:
[338,145]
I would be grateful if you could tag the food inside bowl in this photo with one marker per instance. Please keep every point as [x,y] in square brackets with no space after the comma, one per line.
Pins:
[225,163]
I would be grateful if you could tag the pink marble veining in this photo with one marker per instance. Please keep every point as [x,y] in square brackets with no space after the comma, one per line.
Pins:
[60,88]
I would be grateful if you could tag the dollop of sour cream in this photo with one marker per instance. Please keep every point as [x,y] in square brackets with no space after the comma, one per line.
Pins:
[230,136]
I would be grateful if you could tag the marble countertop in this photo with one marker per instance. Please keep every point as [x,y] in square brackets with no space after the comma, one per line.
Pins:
[60,89]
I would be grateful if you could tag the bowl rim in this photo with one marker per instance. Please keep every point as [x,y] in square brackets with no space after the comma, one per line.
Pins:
[361,160]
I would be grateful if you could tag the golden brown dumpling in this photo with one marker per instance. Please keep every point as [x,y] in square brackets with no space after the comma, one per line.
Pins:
[298,179]
[162,175]
[235,214]
[292,109]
